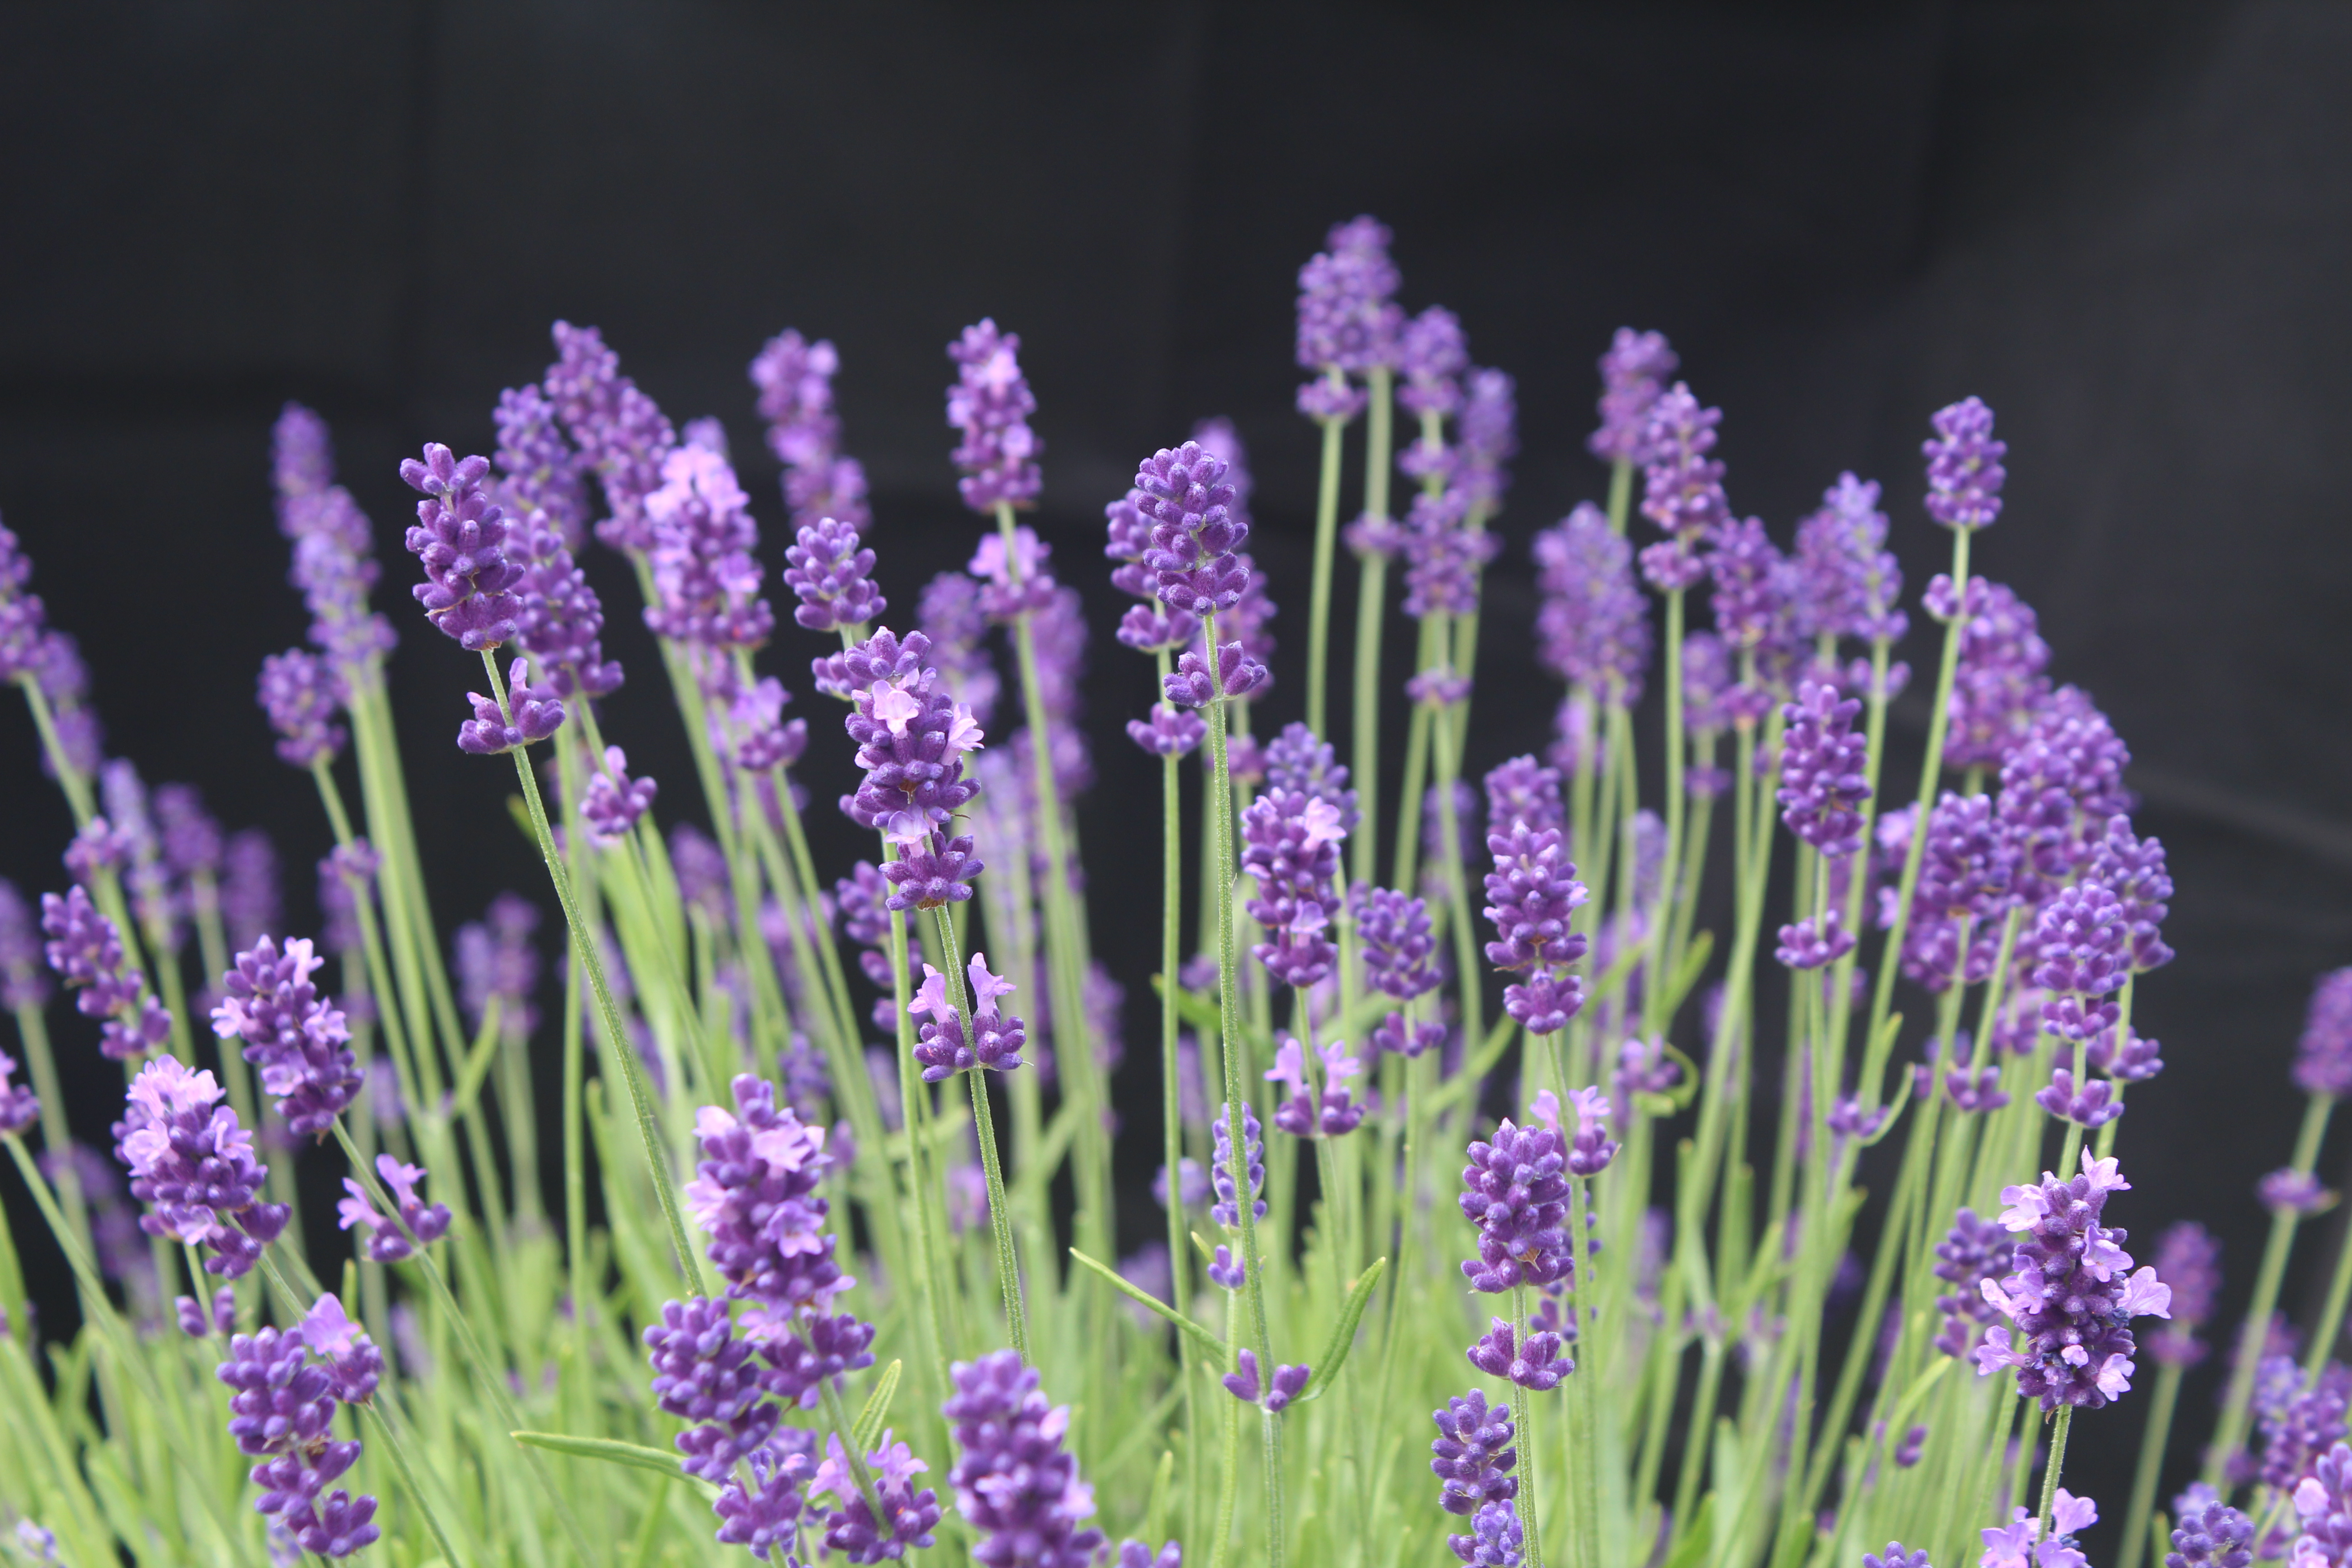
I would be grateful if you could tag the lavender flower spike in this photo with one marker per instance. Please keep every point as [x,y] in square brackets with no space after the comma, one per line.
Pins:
[1964,471]
[419,1224]
[612,802]
[832,575]
[86,951]
[2323,1062]
[301,694]
[1821,770]
[460,538]
[1015,1483]
[19,1107]
[299,1041]
[538,713]
[1632,374]
[188,1158]
[1515,1189]
[990,404]
[2071,1295]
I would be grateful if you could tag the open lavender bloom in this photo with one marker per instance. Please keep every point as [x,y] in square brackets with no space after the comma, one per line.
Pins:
[86,951]
[2071,1297]
[1016,1484]
[1291,841]
[418,1225]
[537,712]
[282,1413]
[911,736]
[299,1042]
[1896,1557]
[1823,770]
[700,537]
[2322,1502]
[1515,1189]
[906,1517]
[190,1160]
[1964,471]
[1473,1455]
[990,404]
[2084,940]
[612,802]
[1532,893]
[621,434]
[1304,1114]
[995,1041]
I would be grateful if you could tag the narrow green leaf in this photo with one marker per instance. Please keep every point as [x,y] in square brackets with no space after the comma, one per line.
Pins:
[1697,1541]
[1207,1340]
[1917,1391]
[1693,964]
[610,1449]
[869,1427]
[1343,1332]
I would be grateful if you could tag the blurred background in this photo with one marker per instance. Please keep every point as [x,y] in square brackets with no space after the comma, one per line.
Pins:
[2125,226]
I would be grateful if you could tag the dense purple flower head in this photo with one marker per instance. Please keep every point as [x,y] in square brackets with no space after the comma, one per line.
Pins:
[2060,784]
[621,434]
[911,736]
[2296,1424]
[2322,1501]
[1632,374]
[1998,684]
[539,470]
[496,962]
[22,983]
[704,1374]
[1299,762]
[1015,582]
[2084,940]
[87,952]
[1193,686]
[1515,1189]
[994,1041]
[561,622]
[1016,1484]
[1432,354]
[2289,1191]
[190,1160]
[302,693]
[22,617]
[833,575]
[1754,585]
[460,537]
[281,1413]
[2323,1061]
[1682,486]
[1291,846]
[298,1040]
[2213,1536]
[413,1223]
[1532,893]
[1226,1211]
[1591,625]
[1847,583]
[755,1195]
[1821,770]
[1964,471]
[2071,1295]
[1474,1454]
[1814,942]
[1445,554]
[537,713]
[1182,495]
[1524,791]
[2133,869]
[1348,314]
[990,404]
[1399,950]
[1488,437]
[612,802]
[699,537]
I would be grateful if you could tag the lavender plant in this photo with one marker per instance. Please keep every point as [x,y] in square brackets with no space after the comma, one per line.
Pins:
[1493,1137]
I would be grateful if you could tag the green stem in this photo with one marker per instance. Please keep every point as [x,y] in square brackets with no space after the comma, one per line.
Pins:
[584,945]
[2230,1432]
[2153,1439]
[1372,624]
[1171,1113]
[1531,1524]
[1327,535]
[2057,1462]
[1653,994]
[1000,1212]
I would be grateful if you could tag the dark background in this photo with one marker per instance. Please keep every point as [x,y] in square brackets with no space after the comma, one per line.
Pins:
[2125,226]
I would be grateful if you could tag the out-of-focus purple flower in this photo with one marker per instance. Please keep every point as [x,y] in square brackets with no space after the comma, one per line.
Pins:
[20,1107]
[22,983]
[1488,438]
[990,404]
[1812,943]
[1973,1252]
[460,538]
[1515,1189]
[86,952]
[1633,374]
[2072,1295]
[2323,1062]
[419,1224]
[832,575]
[2188,1259]
[1754,584]
[249,899]
[539,470]
[496,963]
[302,693]
[561,622]
[1191,1185]
[1682,486]
[2092,1105]
[1591,625]
[1432,354]
[2083,944]
[2322,1502]
[1349,319]
[2213,1536]
[2290,1191]
[1998,683]
[795,381]
[621,434]
[1170,732]
[2133,869]
[537,711]
[2061,784]
[1443,555]
[1473,1455]
[298,1040]
[1016,1484]
[190,1160]
[1896,1556]
[1821,770]
[1847,583]
[700,540]
[1964,471]
[198,1320]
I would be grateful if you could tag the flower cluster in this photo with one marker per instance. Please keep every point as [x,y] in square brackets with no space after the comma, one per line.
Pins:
[302,693]
[20,1107]
[614,802]
[944,1047]
[1964,471]
[330,536]
[2188,1259]
[1998,684]
[1591,625]
[1304,1112]
[1633,374]
[1515,1189]
[621,434]
[561,622]
[86,949]
[911,736]
[1681,487]
[2323,1058]
[2071,1295]
[1348,320]
[990,404]
[700,540]
[460,539]
[282,1413]
[529,715]
[418,1223]
[1185,497]
[299,1041]
[832,573]
[1016,1484]
[1973,1252]
[1291,846]
[2020,1543]
[1532,893]
[795,381]
[1823,770]
[2323,1502]
[190,1160]
[1274,1393]
[1845,580]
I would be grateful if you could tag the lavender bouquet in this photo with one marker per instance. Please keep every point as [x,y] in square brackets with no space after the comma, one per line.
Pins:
[1501,1224]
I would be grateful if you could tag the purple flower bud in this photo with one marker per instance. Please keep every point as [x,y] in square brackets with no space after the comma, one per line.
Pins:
[1592,624]
[86,951]
[621,434]
[1225,1211]
[1515,1189]
[1171,732]
[2290,1191]
[1964,471]
[418,1223]
[1821,770]
[2215,1536]
[460,538]
[1190,686]
[612,802]
[1348,316]
[1474,1454]
[538,713]
[2092,1106]
[1811,944]
[1683,486]
[1228,1271]
[1399,946]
